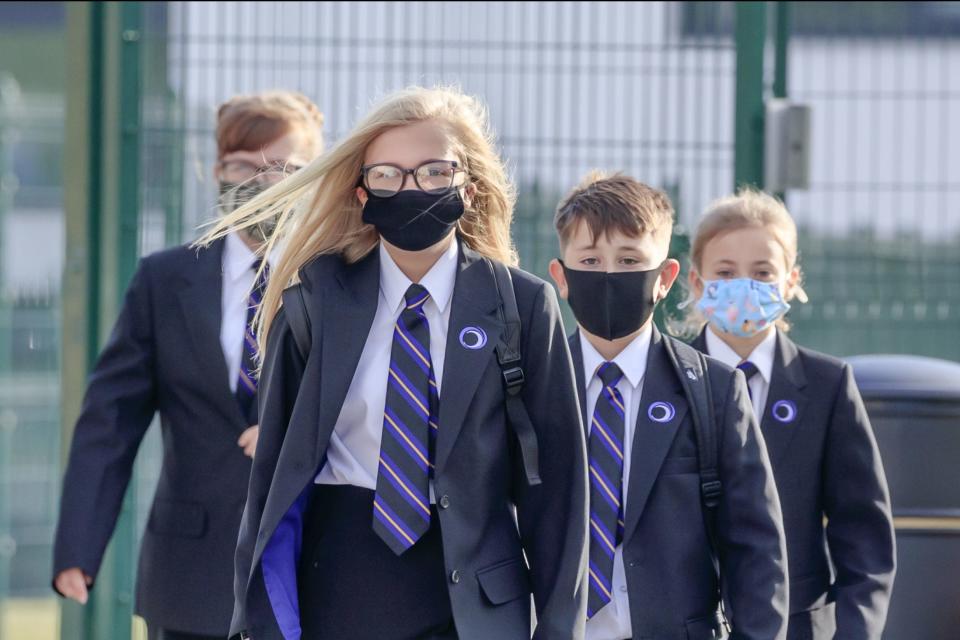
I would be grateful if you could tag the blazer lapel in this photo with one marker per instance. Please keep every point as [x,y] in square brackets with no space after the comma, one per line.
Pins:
[786,399]
[348,308]
[474,306]
[662,410]
[576,354]
[200,301]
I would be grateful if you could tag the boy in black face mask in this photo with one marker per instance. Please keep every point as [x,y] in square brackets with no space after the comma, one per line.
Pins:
[656,551]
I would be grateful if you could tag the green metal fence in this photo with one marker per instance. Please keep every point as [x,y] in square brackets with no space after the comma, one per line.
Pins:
[880,220]
[672,93]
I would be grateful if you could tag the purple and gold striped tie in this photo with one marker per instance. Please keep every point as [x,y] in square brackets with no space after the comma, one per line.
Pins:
[247,384]
[606,483]
[401,505]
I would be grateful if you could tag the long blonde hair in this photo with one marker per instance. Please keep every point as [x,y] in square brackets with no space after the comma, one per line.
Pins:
[748,208]
[319,212]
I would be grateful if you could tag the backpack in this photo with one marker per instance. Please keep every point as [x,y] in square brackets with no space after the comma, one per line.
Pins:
[691,368]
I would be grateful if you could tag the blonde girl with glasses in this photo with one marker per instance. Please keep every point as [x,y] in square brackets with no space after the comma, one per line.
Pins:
[391,496]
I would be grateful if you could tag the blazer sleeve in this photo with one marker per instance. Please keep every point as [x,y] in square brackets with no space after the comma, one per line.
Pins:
[279,384]
[860,530]
[117,409]
[752,547]
[552,516]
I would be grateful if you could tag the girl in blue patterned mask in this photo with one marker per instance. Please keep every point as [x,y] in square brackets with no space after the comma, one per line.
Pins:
[744,270]
[821,446]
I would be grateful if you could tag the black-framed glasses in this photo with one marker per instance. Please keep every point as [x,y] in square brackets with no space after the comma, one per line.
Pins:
[386,179]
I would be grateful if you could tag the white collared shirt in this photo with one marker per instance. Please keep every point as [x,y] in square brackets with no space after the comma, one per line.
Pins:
[238,277]
[761,357]
[612,622]
[354,449]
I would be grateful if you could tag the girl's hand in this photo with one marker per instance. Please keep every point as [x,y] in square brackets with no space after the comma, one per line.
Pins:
[73,583]
[248,440]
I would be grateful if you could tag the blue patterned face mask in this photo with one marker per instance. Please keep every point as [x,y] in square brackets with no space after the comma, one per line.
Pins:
[741,306]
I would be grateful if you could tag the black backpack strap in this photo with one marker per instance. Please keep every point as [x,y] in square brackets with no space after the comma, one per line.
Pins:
[296,311]
[691,368]
[509,357]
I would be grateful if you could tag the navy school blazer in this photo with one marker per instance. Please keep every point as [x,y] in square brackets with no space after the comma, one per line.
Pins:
[670,571]
[164,355]
[827,465]
[477,468]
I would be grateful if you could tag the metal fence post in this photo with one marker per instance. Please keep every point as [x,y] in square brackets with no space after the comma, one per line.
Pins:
[103,200]
[750,36]
[781,38]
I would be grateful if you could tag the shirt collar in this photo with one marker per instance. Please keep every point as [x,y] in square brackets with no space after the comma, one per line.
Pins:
[632,360]
[762,355]
[238,258]
[438,281]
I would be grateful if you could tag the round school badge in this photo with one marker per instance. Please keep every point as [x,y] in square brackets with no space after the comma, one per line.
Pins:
[661,412]
[473,338]
[784,411]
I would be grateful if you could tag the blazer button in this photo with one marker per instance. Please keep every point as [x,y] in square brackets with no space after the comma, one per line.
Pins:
[455,576]
[444,502]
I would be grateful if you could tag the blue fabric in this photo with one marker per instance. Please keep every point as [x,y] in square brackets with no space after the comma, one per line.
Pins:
[741,306]
[280,559]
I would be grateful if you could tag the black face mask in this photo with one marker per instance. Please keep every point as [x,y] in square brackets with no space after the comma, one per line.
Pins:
[413,220]
[233,195]
[611,305]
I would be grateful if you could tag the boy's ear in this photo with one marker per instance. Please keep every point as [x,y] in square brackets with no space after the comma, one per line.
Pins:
[696,283]
[556,272]
[668,275]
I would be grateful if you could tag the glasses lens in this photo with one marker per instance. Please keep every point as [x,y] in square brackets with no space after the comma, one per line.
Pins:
[383,180]
[276,172]
[238,170]
[434,177]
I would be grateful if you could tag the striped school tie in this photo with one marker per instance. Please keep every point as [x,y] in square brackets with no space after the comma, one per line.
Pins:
[247,384]
[749,370]
[606,485]
[401,505]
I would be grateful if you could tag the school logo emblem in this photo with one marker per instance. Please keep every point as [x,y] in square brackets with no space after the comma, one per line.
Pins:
[473,338]
[784,411]
[661,412]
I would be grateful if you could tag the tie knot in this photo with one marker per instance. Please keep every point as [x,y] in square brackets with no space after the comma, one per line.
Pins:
[415,296]
[609,374]
[256,266]
[749,369]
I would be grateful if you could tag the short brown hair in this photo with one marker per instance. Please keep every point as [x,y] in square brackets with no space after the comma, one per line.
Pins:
[613,203]
[251,122]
